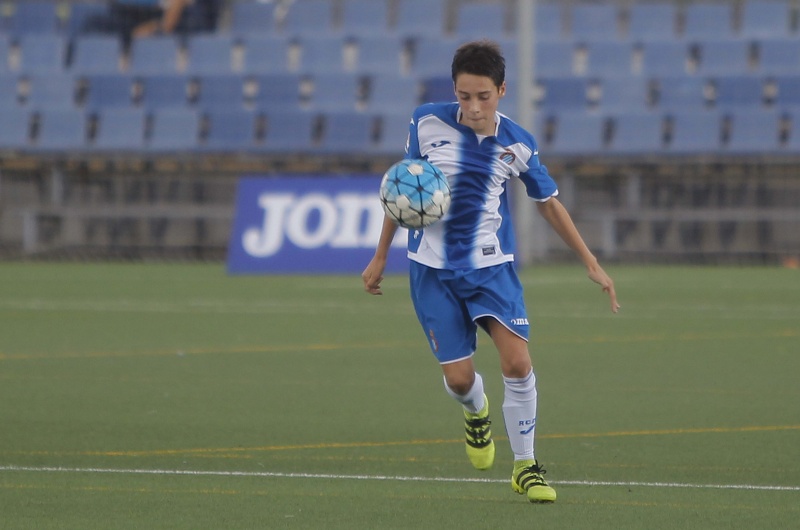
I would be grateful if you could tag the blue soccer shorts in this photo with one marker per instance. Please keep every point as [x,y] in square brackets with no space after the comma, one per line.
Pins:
[450,302]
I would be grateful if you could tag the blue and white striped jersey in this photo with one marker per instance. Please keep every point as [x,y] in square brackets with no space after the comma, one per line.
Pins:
[477,231]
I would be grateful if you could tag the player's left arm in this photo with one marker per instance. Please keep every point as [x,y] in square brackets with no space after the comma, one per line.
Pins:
[558,217]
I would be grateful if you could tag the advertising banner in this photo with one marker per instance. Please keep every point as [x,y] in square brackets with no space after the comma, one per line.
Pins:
[325,224]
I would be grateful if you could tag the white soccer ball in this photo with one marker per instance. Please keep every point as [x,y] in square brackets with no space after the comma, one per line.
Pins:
[415,193]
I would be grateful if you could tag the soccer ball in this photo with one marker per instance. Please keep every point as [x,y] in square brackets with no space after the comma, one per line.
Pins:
[415,193]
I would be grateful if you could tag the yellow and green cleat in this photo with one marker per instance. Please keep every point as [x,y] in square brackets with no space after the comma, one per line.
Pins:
[480,446]
[527,479]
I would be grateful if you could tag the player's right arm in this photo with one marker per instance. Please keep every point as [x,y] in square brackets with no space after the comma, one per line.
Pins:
[373,274]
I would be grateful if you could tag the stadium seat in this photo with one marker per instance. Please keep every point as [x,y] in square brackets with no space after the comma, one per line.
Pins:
[15,132]
[695,132]
[411,24]
[380,55]
[220,92]
[393,133]
[252,17]
[723,57]
[277,91]
[41,53]
[347,132]
[708,20]
[788,91]
[566,93]
[594,22]
[107,91]
[735,91]
[321,53]
[438,89]
[778,56]
[555,58]
[578,133]
[652,21]
[120,129]
[768,19]
[5,50]
[9,91]
[664,58]
[62,130]
[336,91]
[209,54]
[433,56]
[480,20]
[266,54]
[313,17]
[629,93]
[609,58]
[289,131]
[230,130]
[79,13]
[753,131]
[54,91]
[365,17]
[164,91]
[637,133]
[549,23]
[174,130]
[681,93]
[154,56]
[96,54]
[33,17]
[393,94]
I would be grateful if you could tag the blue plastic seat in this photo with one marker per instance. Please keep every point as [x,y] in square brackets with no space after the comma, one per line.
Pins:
[555,58]
[767,19]
[221,92]
[736,91]
[723,57]
[629,93]
[278,91]
[96,54]
[62,130]
[788,91]
[578,133]
[549,23]
[637,133]
[164,91]
[174,130]
[347,132]
[230,130]
[266,54]
[5,49]
[419,18]
[609,58]
[681,93]
[438,89]
[106,91]
[664,58]
[380,55]
[9,91]
[594,22]
[33,17]
[778,56]
[120,129]
[708,20]
[697,132]
[336,91]
[433,56]
[154,55]
[480,20]
[289,131]
[41,53]
[252,17]
[15,132]
[80,13]
[394,94]
[321,53]
[210,54]
[309,17]
[365,17]
[652,21]
[754,131]
[393,135]
[55,91]
[567,93]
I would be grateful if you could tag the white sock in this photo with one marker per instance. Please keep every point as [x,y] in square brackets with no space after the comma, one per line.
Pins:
[519,413]
[473,400]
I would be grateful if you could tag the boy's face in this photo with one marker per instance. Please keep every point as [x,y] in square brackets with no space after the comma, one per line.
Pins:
[478,98]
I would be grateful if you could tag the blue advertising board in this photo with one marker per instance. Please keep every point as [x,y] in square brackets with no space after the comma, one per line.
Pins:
[309,224]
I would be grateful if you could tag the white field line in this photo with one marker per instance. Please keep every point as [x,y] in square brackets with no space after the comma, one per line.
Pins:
[391,478]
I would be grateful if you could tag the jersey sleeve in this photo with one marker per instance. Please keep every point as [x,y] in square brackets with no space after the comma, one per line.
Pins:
[539,184]
[412,144]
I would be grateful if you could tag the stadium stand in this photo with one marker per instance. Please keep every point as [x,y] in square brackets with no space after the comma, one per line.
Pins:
[695,132]
[41,53]
[594,22]
[96,54]
[734,91]
[174,130]
[365,17]
[164,91]
[252,18]
[681,93]
[624,93]
[609,59]
[265,54]
[277,91]
[393,134]
[722,57]
[555,58]
[289,131]
[393,92]
[549,22]
[753,131]
[637,133]
[347,132]
[665,58]
[481,19]
[15,132]
[321,54]
[382,55]
[9,91]
[120,129]
[313,17]
[50,92]
[61,130]
[209,54]
[767,19]
[578,133]
[154,55]
[708,20]
[106,91]
[410,25]
[778,56]
[220,92]
[652,21]
[565,93]
[33,17]
[230,130]
[336,91]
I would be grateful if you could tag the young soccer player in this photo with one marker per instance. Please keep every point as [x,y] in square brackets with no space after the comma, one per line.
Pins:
[462,274]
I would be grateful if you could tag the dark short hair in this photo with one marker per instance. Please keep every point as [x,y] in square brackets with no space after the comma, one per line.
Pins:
[480,57]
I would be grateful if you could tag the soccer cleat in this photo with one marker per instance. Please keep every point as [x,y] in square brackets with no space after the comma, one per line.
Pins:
[527,478]
[480,446]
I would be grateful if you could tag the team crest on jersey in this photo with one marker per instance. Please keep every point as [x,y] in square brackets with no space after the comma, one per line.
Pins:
[508,157]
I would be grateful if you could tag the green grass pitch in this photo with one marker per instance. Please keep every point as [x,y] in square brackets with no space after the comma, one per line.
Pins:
[174,396]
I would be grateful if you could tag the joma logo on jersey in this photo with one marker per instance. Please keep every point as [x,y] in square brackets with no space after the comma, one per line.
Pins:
[440,143]
[519,321]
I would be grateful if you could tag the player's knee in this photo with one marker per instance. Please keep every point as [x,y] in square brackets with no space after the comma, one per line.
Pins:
[460,383]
